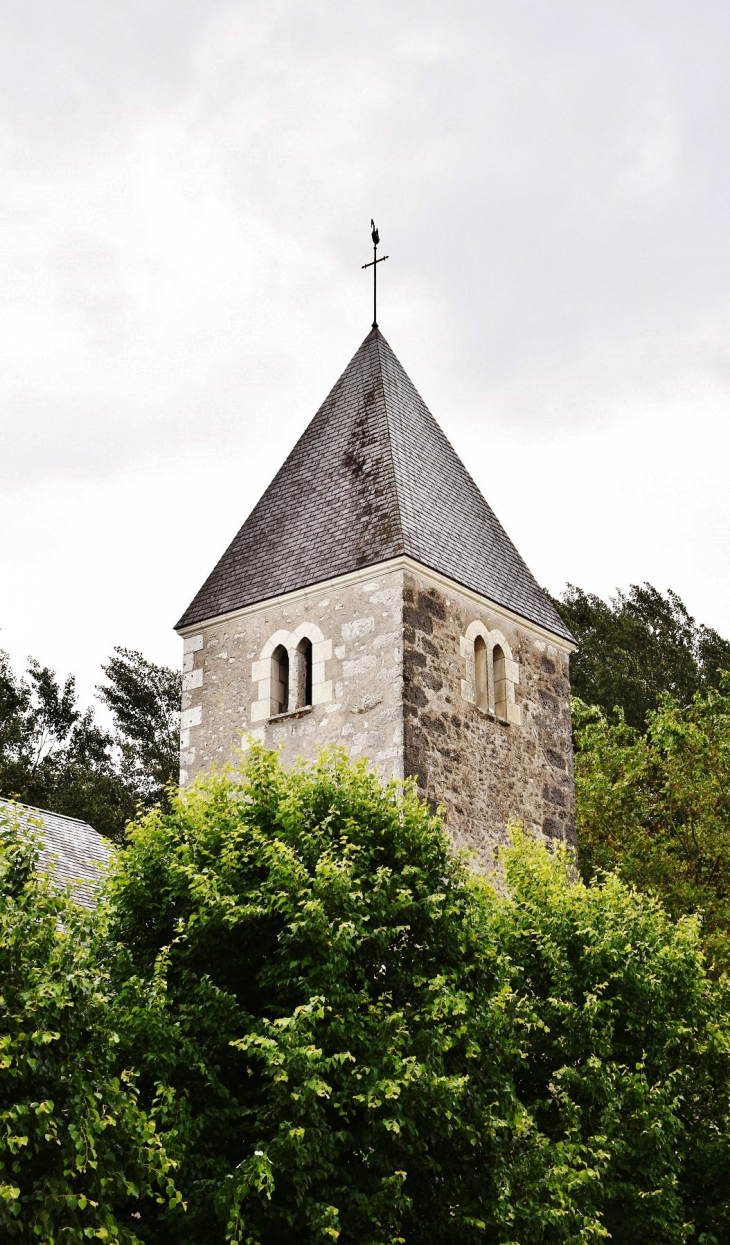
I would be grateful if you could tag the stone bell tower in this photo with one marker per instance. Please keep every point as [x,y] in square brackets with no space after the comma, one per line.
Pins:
[373,600]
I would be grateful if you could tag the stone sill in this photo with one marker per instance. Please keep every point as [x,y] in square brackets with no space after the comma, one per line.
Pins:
[291,713]
[487,713]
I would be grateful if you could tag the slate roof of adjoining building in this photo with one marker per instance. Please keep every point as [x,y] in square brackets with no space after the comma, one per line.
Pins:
[72,851]
[371,478]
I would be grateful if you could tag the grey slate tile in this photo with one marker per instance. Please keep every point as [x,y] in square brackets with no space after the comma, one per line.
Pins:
[72,850]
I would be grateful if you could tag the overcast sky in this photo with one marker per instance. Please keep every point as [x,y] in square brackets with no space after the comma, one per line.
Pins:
[185,198]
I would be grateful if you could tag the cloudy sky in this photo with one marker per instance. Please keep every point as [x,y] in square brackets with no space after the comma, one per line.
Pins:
[185,198]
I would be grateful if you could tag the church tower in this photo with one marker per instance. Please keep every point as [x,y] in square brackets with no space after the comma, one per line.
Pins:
[373,600]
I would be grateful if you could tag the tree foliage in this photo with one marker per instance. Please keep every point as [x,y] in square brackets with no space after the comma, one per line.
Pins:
[363,1042]
[77,1153]
[637,646]
[54,756]
[317,940]
[144,699]
[655,806]
[627,1061]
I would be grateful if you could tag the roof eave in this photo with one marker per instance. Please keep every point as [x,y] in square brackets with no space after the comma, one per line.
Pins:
[404,561]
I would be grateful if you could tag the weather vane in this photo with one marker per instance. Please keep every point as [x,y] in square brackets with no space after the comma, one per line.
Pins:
[374,265]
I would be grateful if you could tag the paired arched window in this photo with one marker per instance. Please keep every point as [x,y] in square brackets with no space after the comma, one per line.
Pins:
[291,677]
[491,674]
[290,672]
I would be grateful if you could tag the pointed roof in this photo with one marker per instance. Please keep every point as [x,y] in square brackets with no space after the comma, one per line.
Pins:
[372,477]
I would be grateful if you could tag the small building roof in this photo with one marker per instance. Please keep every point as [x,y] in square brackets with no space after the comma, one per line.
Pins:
[371,478]
[72,850]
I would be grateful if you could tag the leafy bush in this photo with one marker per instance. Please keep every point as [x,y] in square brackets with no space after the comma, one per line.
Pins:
[320,944]
[363,1042]
[656,807]
[627,1060]
[78,1155]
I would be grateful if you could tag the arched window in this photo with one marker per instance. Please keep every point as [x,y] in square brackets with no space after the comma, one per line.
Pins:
[301,680]
[481,672]
[280,679]
[500,682]
[491,673]
[289,675]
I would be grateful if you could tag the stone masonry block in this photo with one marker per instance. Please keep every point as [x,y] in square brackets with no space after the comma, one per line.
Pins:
[361,665]
[322,692]
[386,639]
[511,670]
[193,679]
[193,643]
[360,626]
[191,717]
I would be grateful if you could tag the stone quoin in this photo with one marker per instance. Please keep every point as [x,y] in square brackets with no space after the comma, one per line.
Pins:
[373,600]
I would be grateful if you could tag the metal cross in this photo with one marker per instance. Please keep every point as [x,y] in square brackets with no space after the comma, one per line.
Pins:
[374,265]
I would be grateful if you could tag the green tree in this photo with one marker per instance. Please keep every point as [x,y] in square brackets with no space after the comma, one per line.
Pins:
[627,1061]
[56,757]
[637,646]
[317,940]
[655,806]
[363,1042]
[78,1156]
[144,699]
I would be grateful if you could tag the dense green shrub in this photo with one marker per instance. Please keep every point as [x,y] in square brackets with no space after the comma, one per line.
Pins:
[78,1156]
[364,1043]
[330,996]
[627,1060]
[655,806]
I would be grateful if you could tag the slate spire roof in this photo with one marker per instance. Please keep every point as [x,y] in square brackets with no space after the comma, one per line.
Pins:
[371,478]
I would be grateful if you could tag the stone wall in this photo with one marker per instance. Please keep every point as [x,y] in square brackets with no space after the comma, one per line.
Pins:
[358,678]
[392,682]
[485,771]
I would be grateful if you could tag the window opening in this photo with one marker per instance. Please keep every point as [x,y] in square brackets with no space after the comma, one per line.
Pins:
[481,678]
[280,680]
[306,648]
[500,682]
[302,675]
